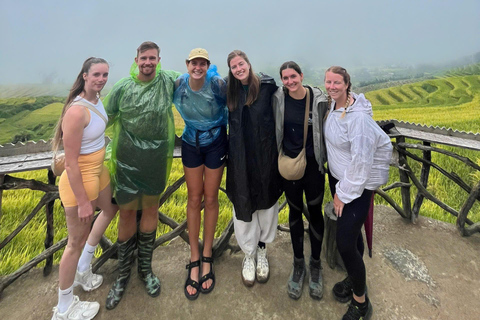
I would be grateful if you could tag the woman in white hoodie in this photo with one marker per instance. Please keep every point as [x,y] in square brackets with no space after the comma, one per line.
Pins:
[358,153]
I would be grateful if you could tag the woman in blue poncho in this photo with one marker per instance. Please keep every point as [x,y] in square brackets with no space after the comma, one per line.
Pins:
[200,98]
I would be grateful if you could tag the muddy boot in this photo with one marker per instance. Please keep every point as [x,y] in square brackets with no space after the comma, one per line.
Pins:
[125,260]
[316,279]
[145,273]
[297,276]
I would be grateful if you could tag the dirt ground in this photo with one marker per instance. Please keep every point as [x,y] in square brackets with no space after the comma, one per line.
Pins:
[418,271]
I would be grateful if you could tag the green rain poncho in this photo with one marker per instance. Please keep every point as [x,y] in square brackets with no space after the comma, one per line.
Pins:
[144,136]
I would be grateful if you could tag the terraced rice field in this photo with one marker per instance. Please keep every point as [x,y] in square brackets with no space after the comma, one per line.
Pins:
[447,102]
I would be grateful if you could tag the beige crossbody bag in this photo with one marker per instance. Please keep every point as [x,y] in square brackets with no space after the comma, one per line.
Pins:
[294,168]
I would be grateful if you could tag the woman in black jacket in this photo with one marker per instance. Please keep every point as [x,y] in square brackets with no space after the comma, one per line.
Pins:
[253,181]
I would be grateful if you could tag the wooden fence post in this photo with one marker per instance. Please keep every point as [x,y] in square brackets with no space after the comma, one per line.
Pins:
[330,238]
[402,160]
[50,230]
[2,176]
[427,156]
[462,215]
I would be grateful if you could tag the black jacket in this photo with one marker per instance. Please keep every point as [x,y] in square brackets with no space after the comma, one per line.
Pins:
[253,181]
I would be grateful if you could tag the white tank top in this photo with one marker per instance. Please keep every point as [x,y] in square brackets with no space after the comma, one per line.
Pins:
[93,138]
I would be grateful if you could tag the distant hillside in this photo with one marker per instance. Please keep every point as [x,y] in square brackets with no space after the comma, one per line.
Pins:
[30,118]
[472,69]
[396,78]
[450,101]
[39,90]
[34,118]
[33,90]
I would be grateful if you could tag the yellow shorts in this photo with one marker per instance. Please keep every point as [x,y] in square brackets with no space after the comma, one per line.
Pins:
[95,178]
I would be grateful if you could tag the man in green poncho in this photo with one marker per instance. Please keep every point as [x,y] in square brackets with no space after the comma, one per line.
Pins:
[140,107]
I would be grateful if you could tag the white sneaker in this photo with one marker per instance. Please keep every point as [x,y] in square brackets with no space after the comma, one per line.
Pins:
[248,270]
[88,280]
[78,310]
[263,271]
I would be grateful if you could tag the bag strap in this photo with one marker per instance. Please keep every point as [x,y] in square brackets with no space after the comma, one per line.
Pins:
[89,106]
[86,105]
[307,113]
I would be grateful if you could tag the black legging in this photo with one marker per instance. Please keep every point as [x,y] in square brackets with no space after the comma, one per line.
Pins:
[349,236]
[313,183]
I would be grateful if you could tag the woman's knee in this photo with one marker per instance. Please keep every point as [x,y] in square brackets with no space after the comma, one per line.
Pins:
[109,212]
[194,201]
[76,242]
[211,202]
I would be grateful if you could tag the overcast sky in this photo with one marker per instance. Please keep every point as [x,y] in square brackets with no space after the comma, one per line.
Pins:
[48,40]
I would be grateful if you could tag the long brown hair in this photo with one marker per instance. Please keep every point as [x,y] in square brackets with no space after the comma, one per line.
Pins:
[346,78]
[77,88]
[235,85]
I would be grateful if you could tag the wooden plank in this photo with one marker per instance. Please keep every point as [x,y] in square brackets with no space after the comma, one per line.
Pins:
[29,166]
[26,157]
[440,138]
[29,162]
[433,129]
[10,149]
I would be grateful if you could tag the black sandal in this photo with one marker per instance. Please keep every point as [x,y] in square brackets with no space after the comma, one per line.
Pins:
[208,276]
[189,282]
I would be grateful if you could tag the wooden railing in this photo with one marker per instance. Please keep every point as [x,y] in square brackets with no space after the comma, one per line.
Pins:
[426,136]
[35,156]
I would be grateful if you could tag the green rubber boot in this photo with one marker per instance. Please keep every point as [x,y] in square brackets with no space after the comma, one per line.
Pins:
[125,260]
[145,273]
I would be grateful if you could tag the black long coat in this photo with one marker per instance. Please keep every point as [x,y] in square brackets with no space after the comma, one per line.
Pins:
[253,181]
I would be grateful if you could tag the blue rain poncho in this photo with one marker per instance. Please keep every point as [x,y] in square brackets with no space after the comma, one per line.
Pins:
[203,111]
[144,135]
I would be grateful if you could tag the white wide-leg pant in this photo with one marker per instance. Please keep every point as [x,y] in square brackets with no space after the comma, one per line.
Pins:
[263,227]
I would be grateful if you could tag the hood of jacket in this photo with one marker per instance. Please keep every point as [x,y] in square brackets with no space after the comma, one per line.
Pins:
[361,104]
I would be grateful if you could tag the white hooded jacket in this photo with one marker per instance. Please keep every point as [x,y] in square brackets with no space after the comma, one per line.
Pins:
[358,150]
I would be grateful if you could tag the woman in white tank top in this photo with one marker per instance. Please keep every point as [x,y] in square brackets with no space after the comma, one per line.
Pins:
[83,186]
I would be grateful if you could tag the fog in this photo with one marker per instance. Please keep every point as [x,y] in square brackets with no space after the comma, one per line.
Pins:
[47,41]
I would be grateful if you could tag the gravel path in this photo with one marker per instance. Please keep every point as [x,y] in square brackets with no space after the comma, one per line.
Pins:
[418,271]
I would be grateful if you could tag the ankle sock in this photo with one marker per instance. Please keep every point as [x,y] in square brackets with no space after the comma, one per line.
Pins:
[261,245]
[86,257]
[65,299]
